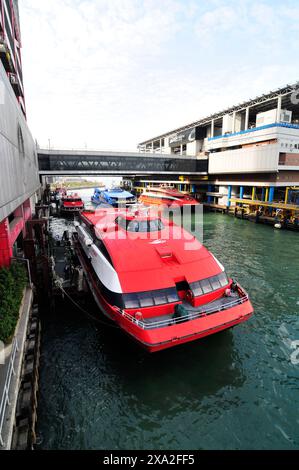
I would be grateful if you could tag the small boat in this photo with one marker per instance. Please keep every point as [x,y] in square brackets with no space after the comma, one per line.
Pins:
[114,197]
[71,203]
[145,280]
[166,195]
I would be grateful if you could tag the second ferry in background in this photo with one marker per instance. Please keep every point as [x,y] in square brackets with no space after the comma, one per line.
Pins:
[165,195]
[114,197]
[71,203]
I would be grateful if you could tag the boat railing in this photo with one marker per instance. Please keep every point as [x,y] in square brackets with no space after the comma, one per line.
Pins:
[6,389]
[190,316]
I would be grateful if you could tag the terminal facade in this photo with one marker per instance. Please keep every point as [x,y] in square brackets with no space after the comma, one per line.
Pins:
[252,149]
[19,179]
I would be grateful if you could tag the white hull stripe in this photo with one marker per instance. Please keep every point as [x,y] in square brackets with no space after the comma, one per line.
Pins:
[103,269]
[161,196]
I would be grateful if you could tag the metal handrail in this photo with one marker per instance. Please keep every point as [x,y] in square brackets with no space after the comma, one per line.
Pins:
[190,316]
[5,395]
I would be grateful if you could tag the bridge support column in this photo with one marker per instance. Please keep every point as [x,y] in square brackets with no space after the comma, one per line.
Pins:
[278,109]
[210,189]
[212,128]
[246,119]
[271,193]
[229,195]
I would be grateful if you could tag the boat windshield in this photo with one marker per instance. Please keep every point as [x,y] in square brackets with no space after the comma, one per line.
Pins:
[115,190]
[72,199]
[150,298]
[153,225]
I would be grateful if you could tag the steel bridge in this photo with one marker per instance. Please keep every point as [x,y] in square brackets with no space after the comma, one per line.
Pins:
[87,162]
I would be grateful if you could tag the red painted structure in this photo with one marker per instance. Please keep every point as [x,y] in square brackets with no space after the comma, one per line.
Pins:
[9,231]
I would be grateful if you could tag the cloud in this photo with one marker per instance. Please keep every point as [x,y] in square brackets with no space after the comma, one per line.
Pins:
[108,74]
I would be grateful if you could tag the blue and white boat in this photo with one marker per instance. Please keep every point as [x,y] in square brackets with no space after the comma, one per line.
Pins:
[114,197]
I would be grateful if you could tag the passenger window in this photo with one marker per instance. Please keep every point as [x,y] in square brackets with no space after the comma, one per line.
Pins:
[215,283]
[223,279]
[160,298]
[172,296]
[196,289]
[145,299]
[131,301]
[206,286]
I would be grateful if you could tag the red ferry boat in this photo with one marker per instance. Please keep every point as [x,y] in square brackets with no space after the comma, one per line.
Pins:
[166,195]
[144,279]
[71,203]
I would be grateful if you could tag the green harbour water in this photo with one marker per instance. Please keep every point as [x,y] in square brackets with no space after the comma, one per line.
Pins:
[234,390]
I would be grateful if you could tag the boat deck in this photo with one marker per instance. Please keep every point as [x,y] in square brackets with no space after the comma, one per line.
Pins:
[191,313]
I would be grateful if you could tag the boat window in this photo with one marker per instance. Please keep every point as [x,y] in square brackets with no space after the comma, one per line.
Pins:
[223,279]
[71,199]
[215,283]
[131,301]
[146,299]
[154,225]
[160,298]
[115,190]
[172,295]
[208,285]
[196,288]
[150,298]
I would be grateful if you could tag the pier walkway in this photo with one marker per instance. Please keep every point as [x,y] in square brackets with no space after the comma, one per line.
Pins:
[88,162]
[10,373]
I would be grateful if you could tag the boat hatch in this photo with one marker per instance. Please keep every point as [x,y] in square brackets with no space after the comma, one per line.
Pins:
[164,252]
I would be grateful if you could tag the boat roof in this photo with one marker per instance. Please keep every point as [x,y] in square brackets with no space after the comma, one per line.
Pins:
[166,190]
[117,193]
[69,197]
[152,260]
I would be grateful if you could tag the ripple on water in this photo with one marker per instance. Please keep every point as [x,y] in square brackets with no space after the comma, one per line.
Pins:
[234,390]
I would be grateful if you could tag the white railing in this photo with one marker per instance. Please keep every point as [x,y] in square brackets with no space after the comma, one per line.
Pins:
[191,316]
[5,395]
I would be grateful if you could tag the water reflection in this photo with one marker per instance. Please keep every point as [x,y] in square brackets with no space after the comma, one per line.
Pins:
[234,390]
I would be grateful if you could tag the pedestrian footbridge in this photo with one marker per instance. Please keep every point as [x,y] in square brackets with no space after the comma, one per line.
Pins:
[87,162]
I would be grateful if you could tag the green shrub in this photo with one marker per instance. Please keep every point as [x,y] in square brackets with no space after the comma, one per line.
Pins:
[12,283]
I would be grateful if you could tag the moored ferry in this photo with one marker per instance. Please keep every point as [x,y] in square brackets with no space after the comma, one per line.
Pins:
[144,279]
[165,195]
[113,197]
[71,203]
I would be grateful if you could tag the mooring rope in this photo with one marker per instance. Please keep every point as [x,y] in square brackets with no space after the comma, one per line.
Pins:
[58,283]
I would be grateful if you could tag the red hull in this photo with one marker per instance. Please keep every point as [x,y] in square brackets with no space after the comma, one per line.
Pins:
[157,339]
[149,201]
[71,204]
[163,196]
[164,338]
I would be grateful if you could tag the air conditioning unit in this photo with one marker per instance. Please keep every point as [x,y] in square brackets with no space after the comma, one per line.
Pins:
[270,117]
[285,116]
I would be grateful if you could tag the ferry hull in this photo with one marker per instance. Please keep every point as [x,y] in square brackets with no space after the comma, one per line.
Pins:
[157,201]
[164,338]
[158,339]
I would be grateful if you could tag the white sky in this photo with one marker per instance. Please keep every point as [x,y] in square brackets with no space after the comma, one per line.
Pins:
[108,74]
